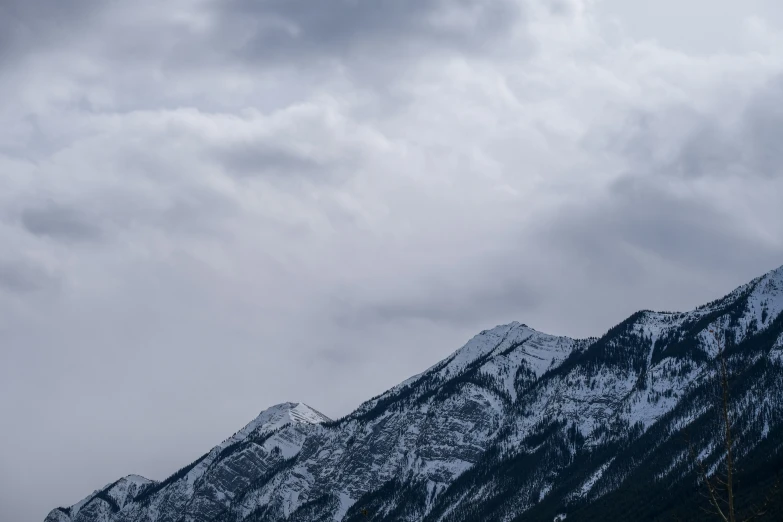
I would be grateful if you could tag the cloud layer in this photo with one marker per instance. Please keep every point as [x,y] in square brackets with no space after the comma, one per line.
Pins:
[210,207]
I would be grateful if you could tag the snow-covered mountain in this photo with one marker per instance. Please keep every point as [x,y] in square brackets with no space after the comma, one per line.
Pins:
[515,425]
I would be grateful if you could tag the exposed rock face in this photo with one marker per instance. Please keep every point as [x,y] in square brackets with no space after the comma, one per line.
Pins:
[517,423]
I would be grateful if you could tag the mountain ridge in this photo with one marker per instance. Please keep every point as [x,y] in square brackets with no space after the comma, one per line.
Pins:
[448,441]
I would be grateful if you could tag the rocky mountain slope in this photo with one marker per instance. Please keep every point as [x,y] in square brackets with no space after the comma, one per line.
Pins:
[515,425]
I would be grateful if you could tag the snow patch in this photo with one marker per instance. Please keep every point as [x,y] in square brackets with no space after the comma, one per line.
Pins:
[345,504]
[590,482]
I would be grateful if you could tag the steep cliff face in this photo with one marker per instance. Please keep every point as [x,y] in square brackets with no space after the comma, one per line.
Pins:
[516,423]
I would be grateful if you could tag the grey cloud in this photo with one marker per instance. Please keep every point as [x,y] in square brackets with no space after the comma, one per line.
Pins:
[225,289]
[61,222]
[641,246]
[641,219]
[707,147]
[472,298]
[762,130]
[283,166]
[560,7]
[194,213]
[23,277]
[708,152]
[447,309]
[290,29]
[256,159]
[28,26]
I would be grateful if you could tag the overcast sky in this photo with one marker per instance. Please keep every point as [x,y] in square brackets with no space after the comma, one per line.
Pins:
[210,207]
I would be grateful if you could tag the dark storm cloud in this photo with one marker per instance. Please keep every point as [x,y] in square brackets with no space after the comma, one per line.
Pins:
[60,222]
[273,30]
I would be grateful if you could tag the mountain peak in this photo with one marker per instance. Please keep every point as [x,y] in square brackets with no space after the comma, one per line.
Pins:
[276,417]
[297,412]
[502,338]
[136,479]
